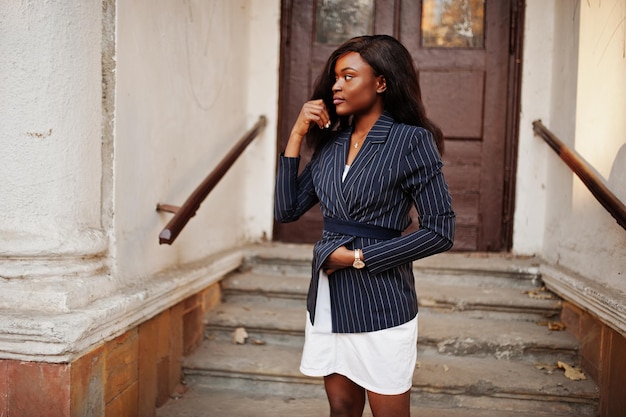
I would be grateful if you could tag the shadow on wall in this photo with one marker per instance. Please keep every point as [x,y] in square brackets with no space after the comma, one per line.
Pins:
[617,178]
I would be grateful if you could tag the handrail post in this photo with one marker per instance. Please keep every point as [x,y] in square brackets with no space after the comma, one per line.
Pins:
[585,172]
[184,213]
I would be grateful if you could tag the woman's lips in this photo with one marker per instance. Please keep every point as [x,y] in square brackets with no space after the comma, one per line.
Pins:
[337,100]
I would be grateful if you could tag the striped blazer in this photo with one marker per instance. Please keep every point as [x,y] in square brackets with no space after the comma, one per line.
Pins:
[397,167]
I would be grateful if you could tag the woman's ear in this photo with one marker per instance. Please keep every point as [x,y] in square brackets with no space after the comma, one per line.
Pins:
[381,84]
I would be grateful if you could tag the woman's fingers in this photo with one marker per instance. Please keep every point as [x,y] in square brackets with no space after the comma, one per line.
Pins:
[315,111]
[312,112]
[324,117]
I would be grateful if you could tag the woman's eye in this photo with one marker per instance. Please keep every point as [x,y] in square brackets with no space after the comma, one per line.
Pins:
[345,77]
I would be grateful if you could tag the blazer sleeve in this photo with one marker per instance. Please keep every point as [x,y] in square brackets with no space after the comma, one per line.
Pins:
[294,194]
[424,182]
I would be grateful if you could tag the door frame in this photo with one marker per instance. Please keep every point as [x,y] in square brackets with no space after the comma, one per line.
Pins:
[516,52]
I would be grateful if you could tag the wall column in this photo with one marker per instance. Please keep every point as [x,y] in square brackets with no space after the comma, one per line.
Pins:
[53,247]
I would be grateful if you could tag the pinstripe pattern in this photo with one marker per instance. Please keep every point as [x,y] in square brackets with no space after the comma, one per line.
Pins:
[397,167]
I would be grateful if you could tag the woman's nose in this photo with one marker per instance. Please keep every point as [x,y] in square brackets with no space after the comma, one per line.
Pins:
[337,85]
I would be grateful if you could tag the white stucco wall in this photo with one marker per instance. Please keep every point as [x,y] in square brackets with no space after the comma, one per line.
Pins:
[574,79]
[263,76]
[591,242]
[192,77]
[530,199]
[50,162]
[107,109]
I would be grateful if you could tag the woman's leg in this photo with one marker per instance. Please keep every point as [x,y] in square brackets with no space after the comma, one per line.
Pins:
[390,405]
[346,398]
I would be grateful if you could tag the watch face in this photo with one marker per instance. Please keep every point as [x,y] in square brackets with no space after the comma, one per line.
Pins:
[358,264]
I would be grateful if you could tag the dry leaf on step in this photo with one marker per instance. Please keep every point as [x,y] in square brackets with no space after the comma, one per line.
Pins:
[552,325]
[240,335]
[556,326]
[539,295]
[571,372]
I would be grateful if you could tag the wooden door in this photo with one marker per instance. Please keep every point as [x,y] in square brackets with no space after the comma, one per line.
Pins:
[462,50]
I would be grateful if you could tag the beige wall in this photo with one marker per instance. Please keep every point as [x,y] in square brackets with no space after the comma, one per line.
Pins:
[530,200]
[574,79]
[50,135]
[109,108]
[192,77]
[600,138]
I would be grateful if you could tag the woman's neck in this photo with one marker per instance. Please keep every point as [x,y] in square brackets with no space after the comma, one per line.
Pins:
[361,124]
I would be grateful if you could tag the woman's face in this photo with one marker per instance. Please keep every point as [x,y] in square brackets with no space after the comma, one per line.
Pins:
[356,89]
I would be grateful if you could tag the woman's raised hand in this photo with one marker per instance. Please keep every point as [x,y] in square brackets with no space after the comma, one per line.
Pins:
[312,112]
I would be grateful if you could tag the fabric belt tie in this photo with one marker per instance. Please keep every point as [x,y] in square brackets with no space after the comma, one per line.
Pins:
[352,228]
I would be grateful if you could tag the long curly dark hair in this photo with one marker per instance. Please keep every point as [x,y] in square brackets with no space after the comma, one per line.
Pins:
[402,98]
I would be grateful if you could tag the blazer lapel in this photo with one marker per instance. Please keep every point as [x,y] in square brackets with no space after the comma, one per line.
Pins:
[375,138]
[340,153]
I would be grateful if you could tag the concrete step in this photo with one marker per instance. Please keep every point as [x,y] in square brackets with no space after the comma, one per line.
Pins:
[496,299]
[456,335]
[253,287]
[295,259]
[449,333]
[493,301]
[479,346]
[198,402]
[440,380]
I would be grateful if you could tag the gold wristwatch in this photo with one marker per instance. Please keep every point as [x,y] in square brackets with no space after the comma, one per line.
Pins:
[358,262]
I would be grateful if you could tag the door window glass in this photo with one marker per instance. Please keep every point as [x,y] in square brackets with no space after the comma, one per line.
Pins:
[337,21]
[453,23]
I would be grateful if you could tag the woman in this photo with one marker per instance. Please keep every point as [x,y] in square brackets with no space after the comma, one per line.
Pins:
[376,155]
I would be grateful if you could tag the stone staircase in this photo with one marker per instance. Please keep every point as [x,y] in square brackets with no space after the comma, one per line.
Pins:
[485,347]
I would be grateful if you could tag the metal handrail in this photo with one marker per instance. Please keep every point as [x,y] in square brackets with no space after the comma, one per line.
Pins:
[586,173]
[184,213]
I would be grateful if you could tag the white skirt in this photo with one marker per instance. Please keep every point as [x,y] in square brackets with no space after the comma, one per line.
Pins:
[382,361]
